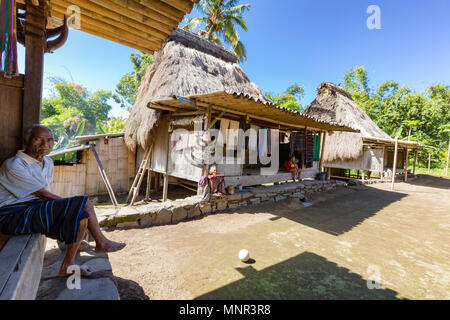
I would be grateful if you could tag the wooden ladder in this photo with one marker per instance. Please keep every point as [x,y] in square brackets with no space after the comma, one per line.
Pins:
[134,191]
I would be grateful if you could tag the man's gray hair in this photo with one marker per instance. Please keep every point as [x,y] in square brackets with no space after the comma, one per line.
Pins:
[29,130]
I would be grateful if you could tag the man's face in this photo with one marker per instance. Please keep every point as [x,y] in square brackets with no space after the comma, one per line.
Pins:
[41,142]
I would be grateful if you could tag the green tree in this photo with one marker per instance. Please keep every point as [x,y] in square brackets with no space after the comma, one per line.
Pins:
[403,113]
[72,111]
[127,88]
[220,18]
[291,98]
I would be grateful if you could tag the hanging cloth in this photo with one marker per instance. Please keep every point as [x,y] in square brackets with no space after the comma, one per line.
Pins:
[253,138]
[8,37]
[262,143]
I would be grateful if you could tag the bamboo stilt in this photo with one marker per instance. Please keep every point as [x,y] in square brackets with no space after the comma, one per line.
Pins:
[394,167]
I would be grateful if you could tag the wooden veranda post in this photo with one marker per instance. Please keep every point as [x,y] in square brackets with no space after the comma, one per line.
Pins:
[415,160]
[429,161]
[448,156]
[322,147]
[166,171]
[406,163]
[394,167]
[34,62]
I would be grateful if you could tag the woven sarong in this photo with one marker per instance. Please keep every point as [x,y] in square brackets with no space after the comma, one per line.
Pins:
[57,219]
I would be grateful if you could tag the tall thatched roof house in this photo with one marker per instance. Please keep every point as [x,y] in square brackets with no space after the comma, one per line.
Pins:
[370,149]
[186,65]
[193,79]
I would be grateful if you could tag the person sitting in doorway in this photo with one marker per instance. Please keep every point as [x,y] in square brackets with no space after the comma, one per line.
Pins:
[27,206]
[293,168]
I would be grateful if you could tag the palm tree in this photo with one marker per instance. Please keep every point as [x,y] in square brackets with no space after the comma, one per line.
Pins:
[221,17]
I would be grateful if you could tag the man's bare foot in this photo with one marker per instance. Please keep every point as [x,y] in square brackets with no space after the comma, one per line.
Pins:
[109,246]
[85,271]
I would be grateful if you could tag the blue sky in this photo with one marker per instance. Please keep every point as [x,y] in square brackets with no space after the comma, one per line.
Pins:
[302,41]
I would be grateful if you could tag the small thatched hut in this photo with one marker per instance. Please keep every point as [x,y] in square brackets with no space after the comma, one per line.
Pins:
[368,150]
[194,81]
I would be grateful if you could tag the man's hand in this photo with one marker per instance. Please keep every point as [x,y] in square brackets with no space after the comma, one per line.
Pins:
[46,195]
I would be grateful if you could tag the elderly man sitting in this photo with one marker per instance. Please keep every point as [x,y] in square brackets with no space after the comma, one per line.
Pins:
[27,206]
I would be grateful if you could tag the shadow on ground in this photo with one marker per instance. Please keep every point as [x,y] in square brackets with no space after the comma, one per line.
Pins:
[130,290]
[352,208]
[432,182]
[306,276]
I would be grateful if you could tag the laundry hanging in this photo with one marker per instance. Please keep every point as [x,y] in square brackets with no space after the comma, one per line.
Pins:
[8,37]
[263,143]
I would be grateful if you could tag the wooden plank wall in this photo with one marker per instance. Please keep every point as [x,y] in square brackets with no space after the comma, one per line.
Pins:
[11,100]
[85,179]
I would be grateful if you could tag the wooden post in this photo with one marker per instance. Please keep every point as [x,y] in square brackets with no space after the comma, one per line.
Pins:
[448,156]
[34,63]
[415,160]
[322,147]
[166,171]
[429,161]
[394,167]
[406,163]
[206,126]
[149,181]
[362,176]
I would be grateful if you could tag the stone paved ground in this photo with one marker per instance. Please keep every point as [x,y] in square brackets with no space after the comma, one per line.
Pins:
[326,251]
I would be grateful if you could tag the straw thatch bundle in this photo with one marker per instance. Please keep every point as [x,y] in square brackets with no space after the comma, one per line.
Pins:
[333,103]
[186,65]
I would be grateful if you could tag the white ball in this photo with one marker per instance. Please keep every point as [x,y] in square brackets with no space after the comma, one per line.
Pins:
[244,255]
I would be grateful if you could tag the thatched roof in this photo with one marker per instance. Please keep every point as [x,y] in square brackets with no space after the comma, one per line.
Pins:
[262,112]
[186,65]
[335,104]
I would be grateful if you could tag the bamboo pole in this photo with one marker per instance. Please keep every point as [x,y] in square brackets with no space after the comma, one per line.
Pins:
[134,191]
[406,163]
[166,171]
[105,178]
[322,147]
[448,156]
[394,167]
[110,25]
[415,160]
[429,161]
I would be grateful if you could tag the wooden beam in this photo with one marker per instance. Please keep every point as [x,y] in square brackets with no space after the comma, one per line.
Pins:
[395,164]
[110,25]
[152,8]
[115,34]
[216,119]
[34,64]
[183,5]
[108,9]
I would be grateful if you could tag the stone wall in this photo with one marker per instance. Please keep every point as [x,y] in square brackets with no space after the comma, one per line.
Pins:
[193,207]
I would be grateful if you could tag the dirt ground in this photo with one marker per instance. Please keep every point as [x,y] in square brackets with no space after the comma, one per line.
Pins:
[396,243]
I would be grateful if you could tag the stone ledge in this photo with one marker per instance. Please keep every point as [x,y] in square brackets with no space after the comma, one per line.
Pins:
[100,286]
[172,212]
[21,262]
